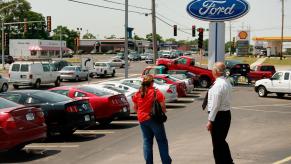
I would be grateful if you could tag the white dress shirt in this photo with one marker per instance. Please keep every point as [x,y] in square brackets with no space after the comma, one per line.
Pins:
[219,97]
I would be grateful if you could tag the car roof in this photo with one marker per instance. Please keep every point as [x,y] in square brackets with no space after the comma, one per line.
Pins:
[265,65]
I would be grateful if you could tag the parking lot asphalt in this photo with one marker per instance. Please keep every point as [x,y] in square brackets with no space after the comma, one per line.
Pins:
[259,134]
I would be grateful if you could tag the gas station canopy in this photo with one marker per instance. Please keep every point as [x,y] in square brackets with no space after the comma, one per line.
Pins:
[270,39]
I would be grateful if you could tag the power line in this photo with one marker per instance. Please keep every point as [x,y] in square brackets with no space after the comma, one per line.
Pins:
[106,7]
[119,3]
[160,19]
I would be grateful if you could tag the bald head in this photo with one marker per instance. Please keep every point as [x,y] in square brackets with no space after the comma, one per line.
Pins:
[218,69]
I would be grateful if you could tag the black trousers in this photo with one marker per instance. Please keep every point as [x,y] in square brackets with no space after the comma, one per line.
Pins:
[219,133]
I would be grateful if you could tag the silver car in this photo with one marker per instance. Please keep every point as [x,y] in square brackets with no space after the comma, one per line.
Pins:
[169,91]
[118,63]
[74,73]
[3,84]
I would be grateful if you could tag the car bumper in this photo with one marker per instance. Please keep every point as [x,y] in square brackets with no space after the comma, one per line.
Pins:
[171,98]
[22,83]
[190,88]
[68,77]
[124,113]
[9,140]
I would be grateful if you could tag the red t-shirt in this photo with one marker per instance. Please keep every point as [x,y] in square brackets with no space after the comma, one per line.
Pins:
[144,105]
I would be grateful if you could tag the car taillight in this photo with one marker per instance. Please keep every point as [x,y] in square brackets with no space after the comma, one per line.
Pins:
[7,121]
[237,66]
[169,90]
[30,76]
[40,114]
[72,109]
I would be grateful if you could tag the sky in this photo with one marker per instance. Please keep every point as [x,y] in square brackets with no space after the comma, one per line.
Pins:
[263,19]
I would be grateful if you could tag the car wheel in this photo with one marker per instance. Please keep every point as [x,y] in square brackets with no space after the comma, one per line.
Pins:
[68,132]
[105,122]
[77,78]
[37,84]
[262,92]
[4,87]
[105,74]
[204,82]
[122,66]
[15,86]
[58,82]
[280,95]
[113,73]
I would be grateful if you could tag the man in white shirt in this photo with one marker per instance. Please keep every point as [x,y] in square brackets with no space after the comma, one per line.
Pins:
[219,114]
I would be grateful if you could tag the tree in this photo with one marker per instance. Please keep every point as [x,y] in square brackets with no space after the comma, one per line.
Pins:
[136,37]
[149,37]
[67,35]
[172,40]
[89,36]
[111,37]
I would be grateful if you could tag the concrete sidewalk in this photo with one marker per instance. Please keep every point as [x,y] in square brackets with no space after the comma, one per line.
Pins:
[258,62]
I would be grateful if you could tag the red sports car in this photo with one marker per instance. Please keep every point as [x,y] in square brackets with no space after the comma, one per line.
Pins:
[180,85]
[106,106]
[20,125]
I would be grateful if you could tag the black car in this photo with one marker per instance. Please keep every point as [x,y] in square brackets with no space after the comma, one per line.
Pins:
[60,64]
[62,114]
[237,68]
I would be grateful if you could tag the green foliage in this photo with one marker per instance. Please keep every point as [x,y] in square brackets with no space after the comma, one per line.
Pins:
[67,35]
[149,37]
[89,36]
[136,37]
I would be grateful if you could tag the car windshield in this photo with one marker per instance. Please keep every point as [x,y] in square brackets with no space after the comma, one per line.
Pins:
[115,89]
[69,69]
[46,96]
[94,91]
[158,82]
[172,78]
[7,104]
[131,85]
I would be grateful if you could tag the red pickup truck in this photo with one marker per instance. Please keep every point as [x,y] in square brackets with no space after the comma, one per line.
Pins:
[187,63]
[261,72]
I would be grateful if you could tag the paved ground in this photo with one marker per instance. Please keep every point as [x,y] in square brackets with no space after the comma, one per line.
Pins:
[259,134]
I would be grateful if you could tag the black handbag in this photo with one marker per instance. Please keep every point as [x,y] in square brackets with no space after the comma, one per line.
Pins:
[157,113]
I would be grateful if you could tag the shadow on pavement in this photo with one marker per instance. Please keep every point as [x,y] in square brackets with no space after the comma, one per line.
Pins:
[116,126]
[175,106]
[73,138]
[26,155]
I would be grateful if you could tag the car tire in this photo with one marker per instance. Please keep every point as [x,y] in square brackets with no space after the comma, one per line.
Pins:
[262,91]
[4,87]
[104,74]
[77,78]
[58,82]
[37,84]
[204,82]
[280,95]
[15,86]
[86,78]
[122,66]
[113,73]
[105,122]
[68,132]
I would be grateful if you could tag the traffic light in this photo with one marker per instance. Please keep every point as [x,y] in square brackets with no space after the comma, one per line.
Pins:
[6,40]
[193,30]
[175,30]
[25,28]
[200,38]
[49,23]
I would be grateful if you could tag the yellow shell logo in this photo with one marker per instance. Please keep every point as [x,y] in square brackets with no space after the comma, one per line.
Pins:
[243,35]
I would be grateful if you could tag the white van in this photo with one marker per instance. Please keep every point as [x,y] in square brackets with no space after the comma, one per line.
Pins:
[34,74]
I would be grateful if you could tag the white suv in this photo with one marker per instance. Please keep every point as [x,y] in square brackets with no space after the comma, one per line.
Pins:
[280,84]
[3,84]
[33,74]
[103,69]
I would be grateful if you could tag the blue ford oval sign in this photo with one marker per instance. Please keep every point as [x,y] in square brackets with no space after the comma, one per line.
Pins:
[218,10]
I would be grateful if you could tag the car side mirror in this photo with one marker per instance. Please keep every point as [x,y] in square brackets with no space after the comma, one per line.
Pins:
[272,78]
[175,62]
[192,63]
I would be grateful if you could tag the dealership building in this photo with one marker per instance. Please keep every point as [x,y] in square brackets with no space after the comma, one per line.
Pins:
[36,48]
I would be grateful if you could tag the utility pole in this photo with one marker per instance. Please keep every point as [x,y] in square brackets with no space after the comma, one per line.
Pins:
[282,31]
[3,46]
[61,49]
[126,39]
[230,39]
[154,30]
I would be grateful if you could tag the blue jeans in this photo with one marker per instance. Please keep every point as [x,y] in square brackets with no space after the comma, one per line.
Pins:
[151,129]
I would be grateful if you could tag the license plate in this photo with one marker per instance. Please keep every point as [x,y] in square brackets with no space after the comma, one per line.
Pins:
[87,118]
[29,116]
[124,109]
[23,76]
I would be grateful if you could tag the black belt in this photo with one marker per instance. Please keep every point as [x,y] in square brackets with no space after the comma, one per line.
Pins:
[221,111]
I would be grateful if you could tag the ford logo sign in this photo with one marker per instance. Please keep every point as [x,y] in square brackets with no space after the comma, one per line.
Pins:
[218,10]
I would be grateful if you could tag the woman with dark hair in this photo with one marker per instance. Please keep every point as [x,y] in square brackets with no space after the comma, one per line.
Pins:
[143,101]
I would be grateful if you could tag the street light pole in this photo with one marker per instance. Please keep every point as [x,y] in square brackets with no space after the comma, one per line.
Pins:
[282,31]
[3,59]
[126,40]
[154,30]
[61,48]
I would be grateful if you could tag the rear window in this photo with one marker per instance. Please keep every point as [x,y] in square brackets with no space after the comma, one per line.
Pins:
[115,89]
[69,69]
[267,68]
[62,92]
[46,96]
[7,104]
[12,97]
[15,67]
[94,91]
[24,68]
